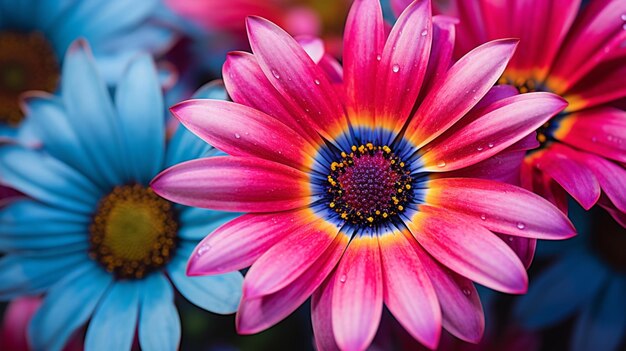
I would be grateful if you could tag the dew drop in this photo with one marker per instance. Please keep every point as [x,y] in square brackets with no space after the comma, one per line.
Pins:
[275,74]
[395,68]
[317,82]
[378,57]
[510,239]
[483,217]
[203,249]
[490,145]
[623,16]
[424,32]
[237,135]
[480,148]
[466,292]
[441,164]
[343,278]
[521,225]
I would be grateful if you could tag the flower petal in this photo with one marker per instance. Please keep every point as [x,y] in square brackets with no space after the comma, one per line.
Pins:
[289,258]
[322,315]
[455,94]
[358,294]
[408,291]
[240,184]
[159,322]
[295,75]
[469,249]
[612,178]
[601,85]
[243,131]
[500,207]
[504,123]
[261,313]
[440,59]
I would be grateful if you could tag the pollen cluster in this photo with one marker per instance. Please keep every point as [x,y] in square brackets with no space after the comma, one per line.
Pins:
[523,85]
[133,232]
[27,62]
[369,185]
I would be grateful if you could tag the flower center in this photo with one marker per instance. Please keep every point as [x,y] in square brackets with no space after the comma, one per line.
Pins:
[369,185]
[133,232]
[27,62]
[523,85]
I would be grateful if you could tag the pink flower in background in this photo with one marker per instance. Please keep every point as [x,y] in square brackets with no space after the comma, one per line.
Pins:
[360,194]
[579,54]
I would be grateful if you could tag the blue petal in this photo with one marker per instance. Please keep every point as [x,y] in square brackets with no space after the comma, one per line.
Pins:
[185,146]
[159,323]
[47,179]
[561,290]
[113,324]
[98,20]
[27,274]
[217,293]
[603,323]
[46,13]
[49,124]
[140,106]
[90,111]
[67,306]
[196,223]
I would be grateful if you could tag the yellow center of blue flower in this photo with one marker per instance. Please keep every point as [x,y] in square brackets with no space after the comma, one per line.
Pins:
[369,185]
[133,232]
[27,62]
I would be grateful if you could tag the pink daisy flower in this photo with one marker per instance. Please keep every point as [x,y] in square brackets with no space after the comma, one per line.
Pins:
[579,54]
[359,192]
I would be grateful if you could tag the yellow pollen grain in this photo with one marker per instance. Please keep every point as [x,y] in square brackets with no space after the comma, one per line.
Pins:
[370,219]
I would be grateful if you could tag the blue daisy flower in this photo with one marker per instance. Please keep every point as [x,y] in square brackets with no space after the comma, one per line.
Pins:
[93,236]
[586,281]
[35,34]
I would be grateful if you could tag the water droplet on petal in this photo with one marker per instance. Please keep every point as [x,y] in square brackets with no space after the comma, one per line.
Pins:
[203,249]
[343,278]
[521,225]
[483,217]
[480,148]
[237,135]
[378,57]
[317,82]
[424,32]
[510,239]
[623,16]
[441,164]
[467,292]
[275,74]
[490,145]
[395,68]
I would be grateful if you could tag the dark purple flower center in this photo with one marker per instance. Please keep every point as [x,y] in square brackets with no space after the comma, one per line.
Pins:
[27,62]
[369,185]
[133,232]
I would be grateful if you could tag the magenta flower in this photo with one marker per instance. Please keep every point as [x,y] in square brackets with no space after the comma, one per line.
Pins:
[581,56]
[359,193]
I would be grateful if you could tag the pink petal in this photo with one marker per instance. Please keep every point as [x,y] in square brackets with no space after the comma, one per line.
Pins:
[17,317]
[364,40]
[313,46]
[508,121]
[603,84]
[618,216]
[503,167]
[500,207]
[408,291]
[460,304]
[612,178]
[524,248]
[399,5]
[246,84]
[403,66]
[238,243]
[258,314]
[239,184]
[289,258]
[295,75]
[599,26]
[321,315]
[469,249]
[358,294]
[599,130]
[454,95]
[561,164]
[441,52]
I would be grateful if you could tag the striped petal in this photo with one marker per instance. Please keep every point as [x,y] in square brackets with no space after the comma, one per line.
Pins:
[612,178]
[469,249]
[518,213]
[243,131]
[159,322]
[358,294]
[239,184]
[322,315]
[408,291]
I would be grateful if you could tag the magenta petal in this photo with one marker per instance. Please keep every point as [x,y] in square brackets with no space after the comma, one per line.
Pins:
[612,178]
[504,123]
[524,248]
[403,65]
[408,292]
[239,184]
[258,314]
[313,46]
[440,60]
[294,74]
[289,258]
[358,294]
[364,40]
[463,86]
[321,315]
[500,207]
[460,304]
[464,246]
[238,243]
